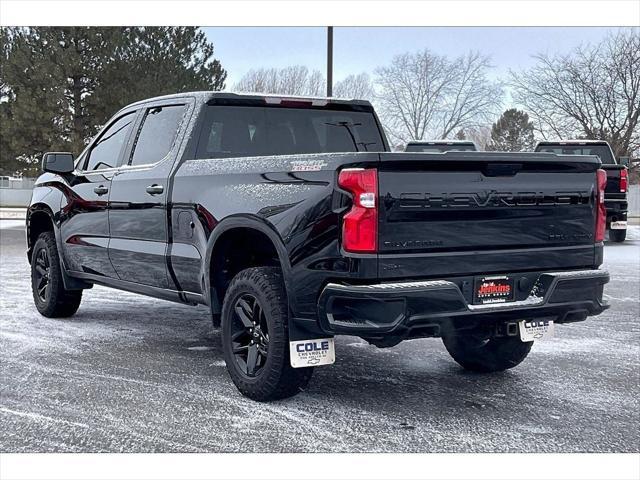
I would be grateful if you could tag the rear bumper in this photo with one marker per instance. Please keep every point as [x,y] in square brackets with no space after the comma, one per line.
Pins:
[616,210]
[406,308]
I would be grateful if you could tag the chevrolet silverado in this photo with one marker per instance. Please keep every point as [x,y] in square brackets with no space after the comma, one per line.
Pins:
[291,220]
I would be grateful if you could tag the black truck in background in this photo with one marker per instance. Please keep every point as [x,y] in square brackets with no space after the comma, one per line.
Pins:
[293,222]
[615,195]
[440,146]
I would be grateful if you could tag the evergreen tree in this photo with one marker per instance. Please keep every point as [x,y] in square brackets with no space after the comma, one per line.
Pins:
[59,85]
[513,132]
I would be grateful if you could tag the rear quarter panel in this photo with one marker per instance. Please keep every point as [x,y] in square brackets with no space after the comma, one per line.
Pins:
[291,196]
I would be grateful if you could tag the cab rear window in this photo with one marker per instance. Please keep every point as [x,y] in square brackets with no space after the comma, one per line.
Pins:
[236,131]
[601,151]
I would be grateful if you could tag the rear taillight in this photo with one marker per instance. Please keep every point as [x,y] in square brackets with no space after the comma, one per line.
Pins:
[624,180]
[601,212]
[360,224]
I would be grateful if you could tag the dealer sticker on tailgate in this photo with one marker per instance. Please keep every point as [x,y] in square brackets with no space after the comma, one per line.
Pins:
[311,353]
[531,330]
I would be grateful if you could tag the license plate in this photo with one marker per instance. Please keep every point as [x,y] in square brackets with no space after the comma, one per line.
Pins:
[312,353]
[620,225]
[495,289]
[531,330]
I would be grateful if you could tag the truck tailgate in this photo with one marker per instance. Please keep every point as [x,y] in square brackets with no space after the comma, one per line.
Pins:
[472,213]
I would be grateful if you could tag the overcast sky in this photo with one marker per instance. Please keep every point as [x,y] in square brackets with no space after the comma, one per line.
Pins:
[362,49]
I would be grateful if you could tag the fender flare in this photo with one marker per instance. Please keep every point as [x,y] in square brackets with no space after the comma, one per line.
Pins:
[69,282]
[251,222]
[41,207]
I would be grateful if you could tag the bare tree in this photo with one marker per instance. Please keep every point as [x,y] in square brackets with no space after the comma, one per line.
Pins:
[355,86]
[480,135]
[592,92]
[316,84]
[293,80]
[425,94]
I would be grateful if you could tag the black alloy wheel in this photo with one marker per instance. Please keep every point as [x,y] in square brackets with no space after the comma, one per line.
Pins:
[255,336]
[50,296]
[249,335]
[42,273]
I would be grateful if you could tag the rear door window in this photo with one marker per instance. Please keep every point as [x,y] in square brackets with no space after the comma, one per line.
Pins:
[158,134]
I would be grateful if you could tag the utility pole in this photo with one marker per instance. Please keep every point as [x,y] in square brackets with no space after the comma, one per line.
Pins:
[329,61]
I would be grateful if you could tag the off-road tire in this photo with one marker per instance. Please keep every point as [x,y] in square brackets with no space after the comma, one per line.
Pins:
[54,301]
[276,379]
[493,354]
[617,236]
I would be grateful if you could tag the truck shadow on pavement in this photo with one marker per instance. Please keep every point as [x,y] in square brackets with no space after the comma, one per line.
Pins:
[416,374]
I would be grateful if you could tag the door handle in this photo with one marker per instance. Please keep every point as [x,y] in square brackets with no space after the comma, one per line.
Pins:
[155,189]
[101,190]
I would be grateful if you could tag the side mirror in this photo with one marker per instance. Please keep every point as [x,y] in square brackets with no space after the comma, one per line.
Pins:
[624,161]
[57,162]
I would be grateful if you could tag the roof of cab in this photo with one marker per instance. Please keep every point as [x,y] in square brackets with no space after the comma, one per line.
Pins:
[206,96]
[578,141]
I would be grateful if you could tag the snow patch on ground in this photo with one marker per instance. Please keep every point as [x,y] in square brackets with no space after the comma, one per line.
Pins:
[12,224]
[134,374]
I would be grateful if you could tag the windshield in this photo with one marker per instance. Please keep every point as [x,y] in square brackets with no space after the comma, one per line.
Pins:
[458,147]
[235,131]
[602,151]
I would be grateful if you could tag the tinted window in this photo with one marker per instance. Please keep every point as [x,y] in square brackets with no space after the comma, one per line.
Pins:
[250,131]
[105,153]
[158,134]
[441,148]
[601,151]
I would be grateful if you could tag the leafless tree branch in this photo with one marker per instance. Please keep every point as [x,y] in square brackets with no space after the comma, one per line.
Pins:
[425,94]
[293,80]
[592,92]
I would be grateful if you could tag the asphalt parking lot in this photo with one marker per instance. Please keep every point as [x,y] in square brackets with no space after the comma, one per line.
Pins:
[133,374]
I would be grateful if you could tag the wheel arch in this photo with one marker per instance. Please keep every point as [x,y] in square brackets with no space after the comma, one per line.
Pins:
[39,219]
[235,227]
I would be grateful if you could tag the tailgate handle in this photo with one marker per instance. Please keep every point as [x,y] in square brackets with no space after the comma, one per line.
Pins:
[502,169]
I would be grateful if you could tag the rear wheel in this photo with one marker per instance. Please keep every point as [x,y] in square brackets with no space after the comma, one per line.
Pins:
[478,353]
[49,295]
[255,336]
[617,236]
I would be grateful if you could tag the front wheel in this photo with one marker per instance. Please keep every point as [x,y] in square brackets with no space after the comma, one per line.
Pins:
[481,354]
[49,295]
[255,336]
[617,236]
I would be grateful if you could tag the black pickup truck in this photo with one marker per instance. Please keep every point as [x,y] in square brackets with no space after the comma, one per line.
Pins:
[293,222]
[439,146]
[615,195]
